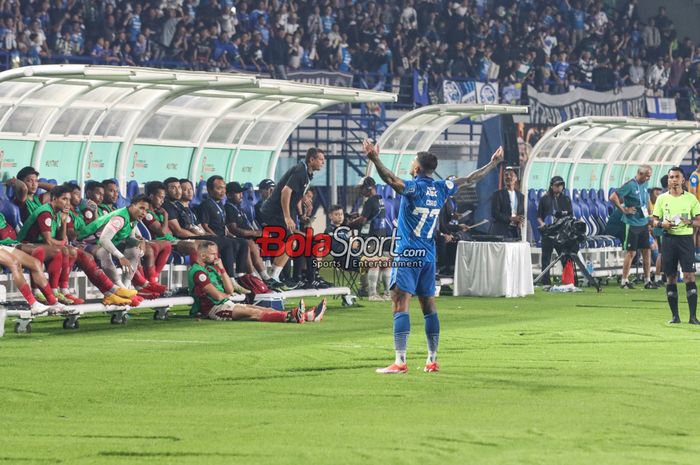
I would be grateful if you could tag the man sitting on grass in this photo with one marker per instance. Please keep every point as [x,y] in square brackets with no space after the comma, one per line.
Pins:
[212,288]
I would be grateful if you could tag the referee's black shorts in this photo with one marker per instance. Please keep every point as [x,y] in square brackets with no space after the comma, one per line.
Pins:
[636,238]
[675,250]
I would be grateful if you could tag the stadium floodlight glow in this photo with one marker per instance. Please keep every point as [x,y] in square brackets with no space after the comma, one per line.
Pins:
[417,130]
[135,124]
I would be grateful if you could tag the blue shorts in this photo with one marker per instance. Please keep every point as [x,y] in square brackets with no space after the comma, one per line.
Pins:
[419,281]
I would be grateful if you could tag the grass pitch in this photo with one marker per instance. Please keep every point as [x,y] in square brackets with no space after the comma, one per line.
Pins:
[552,379]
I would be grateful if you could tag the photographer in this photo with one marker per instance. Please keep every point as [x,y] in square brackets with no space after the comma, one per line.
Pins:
[555,204]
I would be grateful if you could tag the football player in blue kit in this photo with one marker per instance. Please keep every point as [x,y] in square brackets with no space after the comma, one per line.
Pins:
[413,271]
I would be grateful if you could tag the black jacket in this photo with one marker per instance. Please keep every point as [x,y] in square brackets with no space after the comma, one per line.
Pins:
[501,213]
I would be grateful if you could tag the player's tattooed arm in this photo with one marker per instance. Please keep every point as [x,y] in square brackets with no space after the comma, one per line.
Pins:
[385,173]
[475,176]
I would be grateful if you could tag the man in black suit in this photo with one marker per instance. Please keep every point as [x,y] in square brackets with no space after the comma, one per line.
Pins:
[508,207]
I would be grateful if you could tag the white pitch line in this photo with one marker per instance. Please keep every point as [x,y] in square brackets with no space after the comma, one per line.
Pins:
[164,341]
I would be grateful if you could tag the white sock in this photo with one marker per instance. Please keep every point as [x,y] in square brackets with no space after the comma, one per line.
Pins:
[372,279]
[400,357]
[624,281]
[276,271]
[238,275]
[264,276]
[65,290]
[432,357]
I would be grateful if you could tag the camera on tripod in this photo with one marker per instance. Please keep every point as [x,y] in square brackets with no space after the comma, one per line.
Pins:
[566,233]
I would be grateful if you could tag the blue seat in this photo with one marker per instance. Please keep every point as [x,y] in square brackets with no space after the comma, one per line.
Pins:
[132,189]
[199,192]
[11,212]
[532,203]
[143,230]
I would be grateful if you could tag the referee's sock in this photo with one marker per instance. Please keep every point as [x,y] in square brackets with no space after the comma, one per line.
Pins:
[691,291]
[402,328]
[672,296]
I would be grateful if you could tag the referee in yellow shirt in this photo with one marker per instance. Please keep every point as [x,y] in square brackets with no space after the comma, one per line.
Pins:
[677,212]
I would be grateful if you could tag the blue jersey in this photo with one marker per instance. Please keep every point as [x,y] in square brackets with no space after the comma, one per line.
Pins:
[421,202]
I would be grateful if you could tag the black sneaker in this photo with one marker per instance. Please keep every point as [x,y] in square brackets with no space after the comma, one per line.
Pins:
[675,320]
[290,285]
[651,285]
[273,284]
[627,285]
[318,284]
[324,282]
[693,321]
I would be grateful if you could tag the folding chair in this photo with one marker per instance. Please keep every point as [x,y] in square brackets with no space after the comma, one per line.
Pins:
[346,277]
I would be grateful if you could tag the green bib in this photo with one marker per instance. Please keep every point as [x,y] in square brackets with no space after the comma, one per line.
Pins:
[104,209]
[3,225]
[161,219]
[100,222]
[33,204]
[78,221]
[215,279]
[31,220]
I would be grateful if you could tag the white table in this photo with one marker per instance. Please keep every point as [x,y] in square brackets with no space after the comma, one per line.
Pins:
[493,269]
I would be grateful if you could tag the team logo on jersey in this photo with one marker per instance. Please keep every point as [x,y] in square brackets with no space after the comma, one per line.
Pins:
[449,184]
[47,222]
[431,191]
[149,217]
[88,214]
[202,277]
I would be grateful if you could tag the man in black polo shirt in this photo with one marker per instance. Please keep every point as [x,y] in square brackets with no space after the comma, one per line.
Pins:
[239,225]
[184,223]
[280,209]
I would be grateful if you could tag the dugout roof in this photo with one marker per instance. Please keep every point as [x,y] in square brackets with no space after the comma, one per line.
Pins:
[603,152]
[417,130]
[96,122]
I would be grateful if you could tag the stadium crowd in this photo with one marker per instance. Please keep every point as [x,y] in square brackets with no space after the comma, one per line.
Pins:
[552,45]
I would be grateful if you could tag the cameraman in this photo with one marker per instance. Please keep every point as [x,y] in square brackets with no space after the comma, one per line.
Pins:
[555,204]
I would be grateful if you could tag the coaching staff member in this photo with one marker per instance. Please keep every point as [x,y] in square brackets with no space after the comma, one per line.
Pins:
[677,212]
[632,200]
[280,209]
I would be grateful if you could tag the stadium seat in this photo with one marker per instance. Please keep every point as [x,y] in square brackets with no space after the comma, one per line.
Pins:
[11,212]
[132,189]
[199,193]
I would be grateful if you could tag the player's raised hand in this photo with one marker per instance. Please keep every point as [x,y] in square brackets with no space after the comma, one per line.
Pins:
[497,156]
[370,149]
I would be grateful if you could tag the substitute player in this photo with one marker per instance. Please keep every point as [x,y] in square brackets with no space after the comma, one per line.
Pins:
[413,274]
[211,288]
[677,212]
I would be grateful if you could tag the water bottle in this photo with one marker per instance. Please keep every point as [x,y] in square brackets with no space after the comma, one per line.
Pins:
[589,268]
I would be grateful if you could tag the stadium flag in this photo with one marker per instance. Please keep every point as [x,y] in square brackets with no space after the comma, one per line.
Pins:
[420,89]
[512,93]
[325,78]
[551,109]
[469,92]
[661,108]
